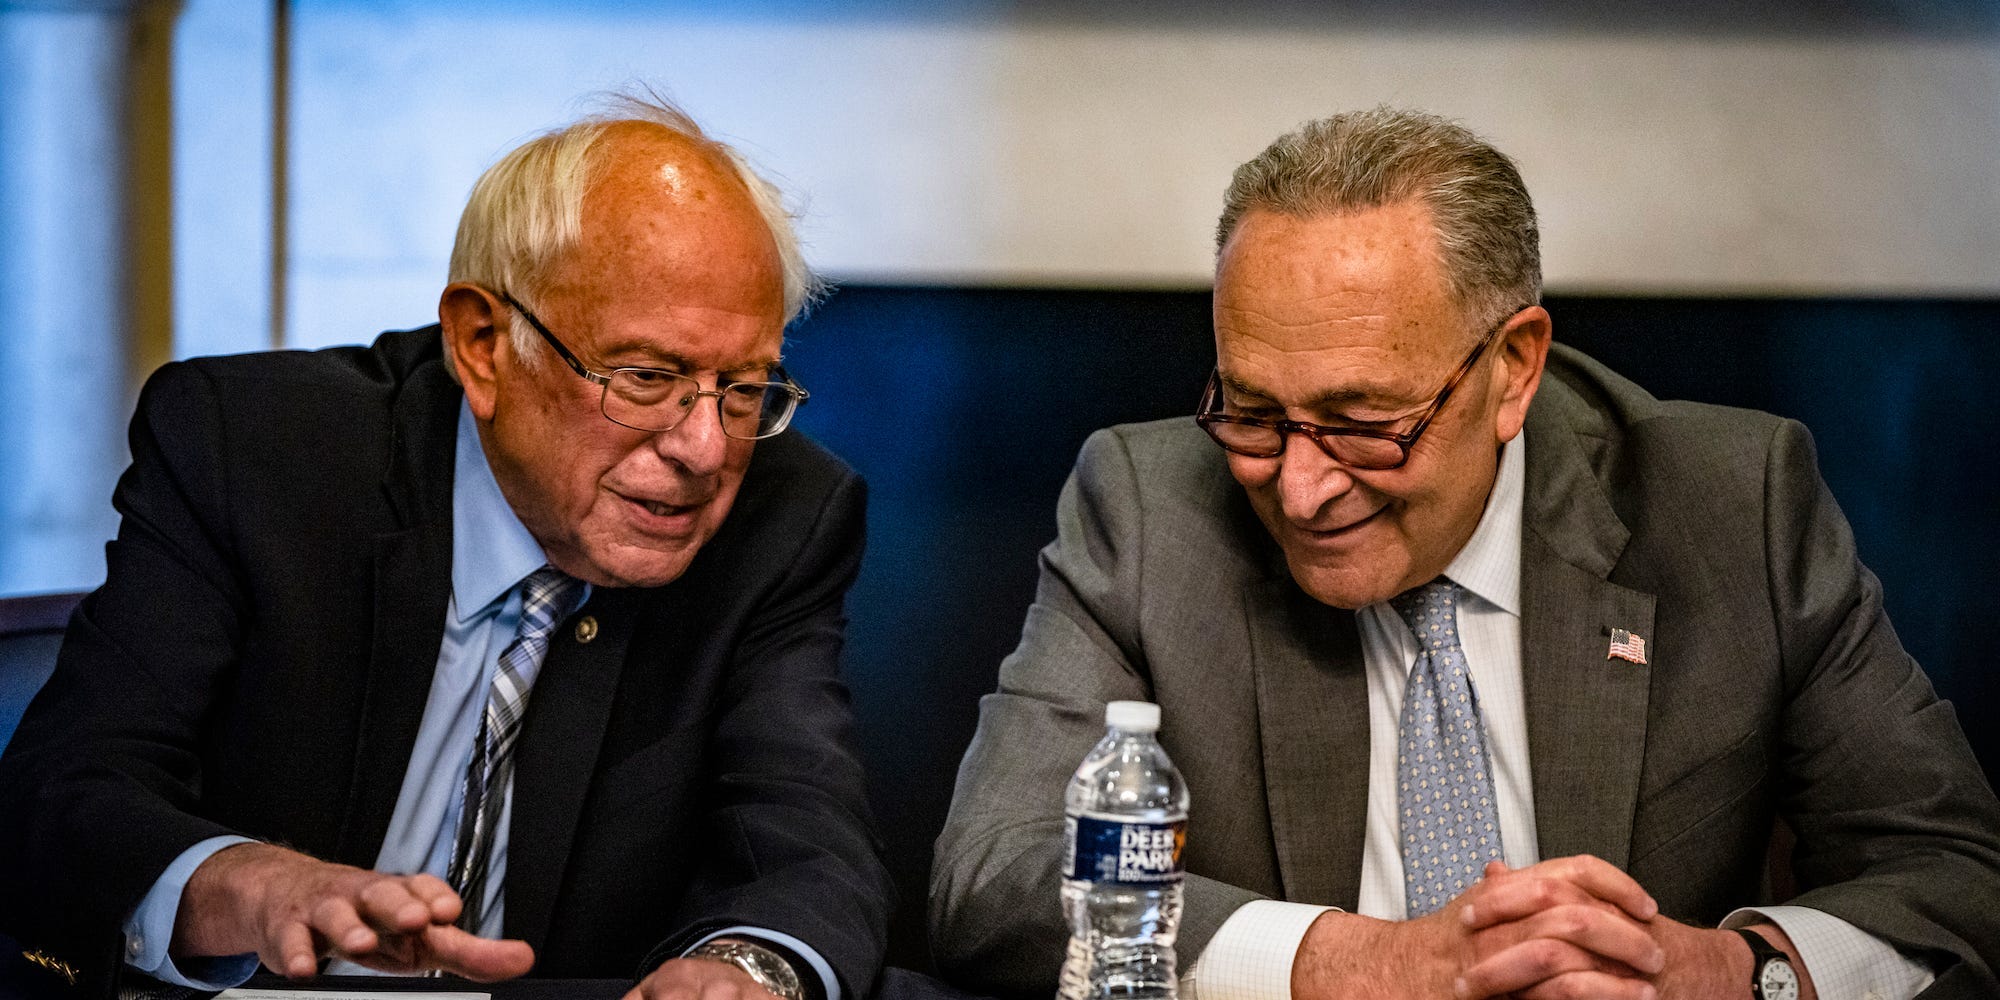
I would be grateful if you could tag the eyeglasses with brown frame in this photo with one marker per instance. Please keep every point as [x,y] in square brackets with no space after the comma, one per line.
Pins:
[654,399]
[1356,447]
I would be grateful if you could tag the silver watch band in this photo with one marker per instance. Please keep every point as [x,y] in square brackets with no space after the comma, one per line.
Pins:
[766,967]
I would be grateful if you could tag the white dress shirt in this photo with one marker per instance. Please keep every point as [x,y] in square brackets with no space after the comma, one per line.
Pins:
[1250,957]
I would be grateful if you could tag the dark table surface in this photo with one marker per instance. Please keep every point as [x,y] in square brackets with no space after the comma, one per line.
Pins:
[896,984]
[518,989]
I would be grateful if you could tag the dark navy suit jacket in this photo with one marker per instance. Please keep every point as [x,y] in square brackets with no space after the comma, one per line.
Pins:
[258,659]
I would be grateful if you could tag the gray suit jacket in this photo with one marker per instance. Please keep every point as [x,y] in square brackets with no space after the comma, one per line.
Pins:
[1776,688]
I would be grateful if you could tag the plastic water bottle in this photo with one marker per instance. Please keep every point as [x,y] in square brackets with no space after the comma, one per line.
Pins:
[1125,826]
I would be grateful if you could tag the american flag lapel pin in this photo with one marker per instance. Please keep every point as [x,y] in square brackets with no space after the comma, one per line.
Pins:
[1627,645]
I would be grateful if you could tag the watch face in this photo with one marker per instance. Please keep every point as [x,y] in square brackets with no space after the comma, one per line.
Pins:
[1777,981]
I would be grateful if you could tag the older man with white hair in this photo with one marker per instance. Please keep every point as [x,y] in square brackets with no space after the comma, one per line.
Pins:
[506,644]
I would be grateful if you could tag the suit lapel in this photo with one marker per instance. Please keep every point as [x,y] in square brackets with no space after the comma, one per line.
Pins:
[1586,712]
[561,736]
[412,592]
[1312,707]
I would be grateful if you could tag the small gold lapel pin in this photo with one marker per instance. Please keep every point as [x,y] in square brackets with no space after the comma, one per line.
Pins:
[1627,645]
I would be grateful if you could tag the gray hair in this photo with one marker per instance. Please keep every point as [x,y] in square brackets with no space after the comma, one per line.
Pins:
[1485,223]
[526,211]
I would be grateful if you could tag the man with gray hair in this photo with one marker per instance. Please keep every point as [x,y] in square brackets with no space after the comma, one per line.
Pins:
[506,644]
[1474,698]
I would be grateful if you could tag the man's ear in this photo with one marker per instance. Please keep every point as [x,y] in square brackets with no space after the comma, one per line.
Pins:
[475,341]
[1524,350]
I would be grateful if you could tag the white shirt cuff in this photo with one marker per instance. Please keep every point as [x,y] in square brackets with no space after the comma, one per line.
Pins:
[798,947]
[1250,956]
[1846,962]
[150,929]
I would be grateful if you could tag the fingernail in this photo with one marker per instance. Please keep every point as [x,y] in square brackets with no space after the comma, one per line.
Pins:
[1652,907]
[356,939]
[1656,961]
[1458,988]
[1647,992]
[1465,915]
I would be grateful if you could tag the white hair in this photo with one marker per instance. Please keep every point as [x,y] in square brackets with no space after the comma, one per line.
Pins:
[526,211]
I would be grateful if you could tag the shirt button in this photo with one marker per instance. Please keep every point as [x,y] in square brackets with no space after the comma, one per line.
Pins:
[135,946]
[586,628]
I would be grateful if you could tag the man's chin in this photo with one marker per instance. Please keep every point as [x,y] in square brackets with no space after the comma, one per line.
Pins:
[633,569]
[1348,588]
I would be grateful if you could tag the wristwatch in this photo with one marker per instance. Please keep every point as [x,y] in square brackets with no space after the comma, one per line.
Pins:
[1771,974]
[767,967]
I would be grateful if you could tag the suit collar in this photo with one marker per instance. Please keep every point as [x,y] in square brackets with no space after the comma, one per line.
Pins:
[1566,504]
[1586,712]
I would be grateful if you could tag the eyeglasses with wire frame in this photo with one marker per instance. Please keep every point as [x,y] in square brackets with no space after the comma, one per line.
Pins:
[1355,447]
[654,399]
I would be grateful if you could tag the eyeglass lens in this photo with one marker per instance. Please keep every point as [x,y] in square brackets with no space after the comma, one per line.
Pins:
[652,400]
[1268,442]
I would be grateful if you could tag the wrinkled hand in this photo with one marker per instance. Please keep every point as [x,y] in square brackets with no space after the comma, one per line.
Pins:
[698,979]
[291,909]
[1570,927]
[1562,928]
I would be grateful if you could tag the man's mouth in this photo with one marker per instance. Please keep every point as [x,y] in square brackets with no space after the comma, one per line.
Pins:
[662,508]
[1330,534]
[659,509]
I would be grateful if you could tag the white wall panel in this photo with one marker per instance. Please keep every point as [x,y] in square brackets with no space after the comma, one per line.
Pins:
[972,147]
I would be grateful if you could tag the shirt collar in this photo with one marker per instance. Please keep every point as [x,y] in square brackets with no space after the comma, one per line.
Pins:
[1489,566]
[491,550]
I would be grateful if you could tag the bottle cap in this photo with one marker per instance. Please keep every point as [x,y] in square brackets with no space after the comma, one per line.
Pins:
[1133,716]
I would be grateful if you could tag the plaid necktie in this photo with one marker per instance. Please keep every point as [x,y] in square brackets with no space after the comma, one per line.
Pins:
[1450,823]
[547,597]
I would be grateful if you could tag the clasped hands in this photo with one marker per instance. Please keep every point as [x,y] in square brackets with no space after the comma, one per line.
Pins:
[1566,928]
[291,910]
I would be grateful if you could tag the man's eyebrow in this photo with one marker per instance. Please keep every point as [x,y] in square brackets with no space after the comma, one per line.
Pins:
[1241,386]
[762,365]
[660,358]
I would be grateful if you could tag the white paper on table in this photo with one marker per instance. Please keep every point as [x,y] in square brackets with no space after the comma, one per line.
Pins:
[242,994]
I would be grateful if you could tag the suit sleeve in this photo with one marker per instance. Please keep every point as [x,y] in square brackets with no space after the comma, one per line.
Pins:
[995,913]
[796,850]
[99,787]
[1898,831]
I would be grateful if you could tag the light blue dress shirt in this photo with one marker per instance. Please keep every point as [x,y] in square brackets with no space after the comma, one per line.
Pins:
[492,552]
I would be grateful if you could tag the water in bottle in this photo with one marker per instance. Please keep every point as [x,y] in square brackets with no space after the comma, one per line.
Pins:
[1125,826]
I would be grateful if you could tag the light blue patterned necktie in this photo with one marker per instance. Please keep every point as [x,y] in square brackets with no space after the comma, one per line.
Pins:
[547,597]
[1450,824]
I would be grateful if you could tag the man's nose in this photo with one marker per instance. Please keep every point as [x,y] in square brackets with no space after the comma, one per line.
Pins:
[1309,479]
[697,443]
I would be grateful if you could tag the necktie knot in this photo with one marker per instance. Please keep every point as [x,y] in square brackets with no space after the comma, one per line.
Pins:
[548,595]
[1431,612]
